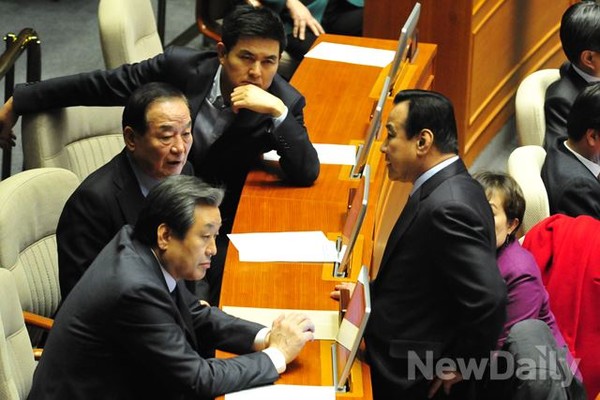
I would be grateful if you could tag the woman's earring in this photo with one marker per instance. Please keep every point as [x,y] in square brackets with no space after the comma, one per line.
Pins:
[507,240]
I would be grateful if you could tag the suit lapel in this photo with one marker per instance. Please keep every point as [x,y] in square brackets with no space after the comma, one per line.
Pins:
[186,317]
[129,195]
[200,84]
[182,312]
[408,214]
[411,209]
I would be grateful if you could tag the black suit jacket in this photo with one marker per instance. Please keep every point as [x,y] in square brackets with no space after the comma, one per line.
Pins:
[232,155]
[560,96]
[107,199]
[572,188]
[438,292]
[120,335]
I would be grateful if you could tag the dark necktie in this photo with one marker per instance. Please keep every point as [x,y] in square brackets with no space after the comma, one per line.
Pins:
[174,296]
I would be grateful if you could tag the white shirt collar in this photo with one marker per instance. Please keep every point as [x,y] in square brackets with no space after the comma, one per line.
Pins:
[430,172]
[170,281]
[592,166]
[588,78]
[145,181]
[215,90]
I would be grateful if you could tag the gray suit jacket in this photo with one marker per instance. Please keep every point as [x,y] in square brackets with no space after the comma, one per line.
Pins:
[107,199]
[572,188]
[438,292]
[120,335]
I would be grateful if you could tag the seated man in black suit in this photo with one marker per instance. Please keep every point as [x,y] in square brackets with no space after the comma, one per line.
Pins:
[131,330]
[438,295]
[580,39]
[158,135]
[572,166]
[240,107]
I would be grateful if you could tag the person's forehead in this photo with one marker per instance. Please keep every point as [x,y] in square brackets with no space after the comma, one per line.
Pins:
[207,216]
[167,108]
[166,103]
[257,45]
[398,115]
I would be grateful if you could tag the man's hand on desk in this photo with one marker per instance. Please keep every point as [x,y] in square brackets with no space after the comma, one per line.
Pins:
[290,333]
[336,294]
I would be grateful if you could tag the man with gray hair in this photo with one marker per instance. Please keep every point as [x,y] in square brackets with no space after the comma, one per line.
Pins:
[130,329]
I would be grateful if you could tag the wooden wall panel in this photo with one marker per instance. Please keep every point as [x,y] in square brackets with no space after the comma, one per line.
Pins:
[511,39]
[485,48]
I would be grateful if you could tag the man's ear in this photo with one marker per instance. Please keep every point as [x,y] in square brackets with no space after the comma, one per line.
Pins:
[221,52]
[592,136]
[129,138]
[586,60]
[163,236]
[424,141]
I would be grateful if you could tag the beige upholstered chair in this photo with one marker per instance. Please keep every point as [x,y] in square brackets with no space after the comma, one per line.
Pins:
[16,356]
[30,205]
[529,106]
[128,31]
[80,139]
[524,165]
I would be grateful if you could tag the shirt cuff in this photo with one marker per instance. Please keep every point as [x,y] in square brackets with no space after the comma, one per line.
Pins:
[277,358]
[261,339]
[279,120]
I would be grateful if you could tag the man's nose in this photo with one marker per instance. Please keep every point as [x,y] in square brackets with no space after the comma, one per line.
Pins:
[255,69]
[178,145]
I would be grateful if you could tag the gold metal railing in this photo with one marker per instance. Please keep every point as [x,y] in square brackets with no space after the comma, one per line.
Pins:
[26,40]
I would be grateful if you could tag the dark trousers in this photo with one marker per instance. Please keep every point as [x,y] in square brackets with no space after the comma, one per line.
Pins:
[541,370]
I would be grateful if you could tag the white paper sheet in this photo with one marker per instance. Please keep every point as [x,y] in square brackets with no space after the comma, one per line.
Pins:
[287,392]
[351,54]
[326,322]
[304,246]
[337,154]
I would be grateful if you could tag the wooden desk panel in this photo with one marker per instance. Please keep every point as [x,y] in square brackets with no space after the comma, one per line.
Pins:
[281,285]
[332,186]
[338,95]
[305,371]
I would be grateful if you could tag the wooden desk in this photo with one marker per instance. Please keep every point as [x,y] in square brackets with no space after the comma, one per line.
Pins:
[339,104]
[339,112]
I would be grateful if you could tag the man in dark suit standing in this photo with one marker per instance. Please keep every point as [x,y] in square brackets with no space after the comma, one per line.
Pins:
[240,107]
[130,330]
[572,167]
[438,294]
[580,39]
[158,135]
